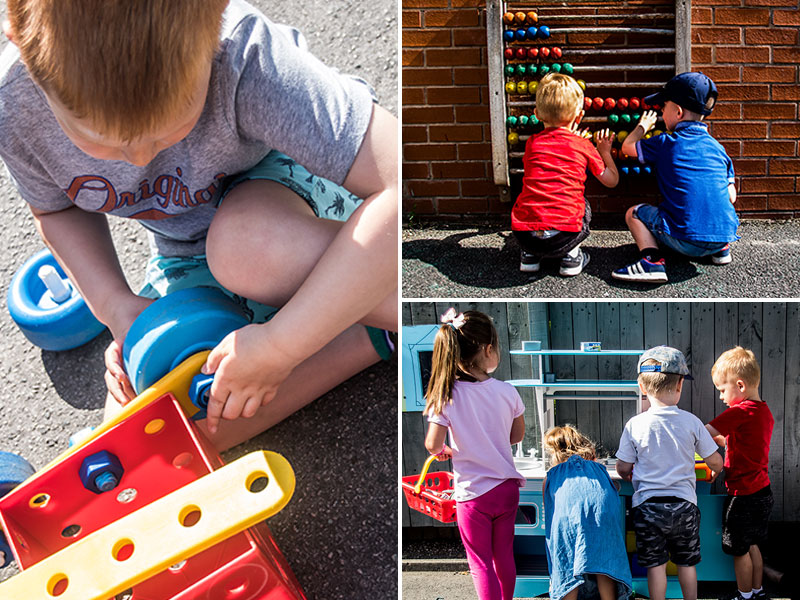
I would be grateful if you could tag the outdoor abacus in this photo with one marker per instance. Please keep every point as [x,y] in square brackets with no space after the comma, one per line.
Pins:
[618,53]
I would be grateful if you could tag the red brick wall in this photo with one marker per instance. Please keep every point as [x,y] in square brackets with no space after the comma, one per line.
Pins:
[750,49]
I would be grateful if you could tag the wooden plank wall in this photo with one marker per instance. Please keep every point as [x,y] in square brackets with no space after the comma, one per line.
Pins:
[702,330]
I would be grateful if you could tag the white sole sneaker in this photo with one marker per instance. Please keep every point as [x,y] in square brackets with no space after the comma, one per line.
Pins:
[577,269]
[529,268]
[721,260]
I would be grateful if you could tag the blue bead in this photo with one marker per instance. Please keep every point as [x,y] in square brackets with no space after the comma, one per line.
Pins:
[624,170]
[648,169]
[508,35]
[520,34]
[636,170]
[544,31]
[532,31]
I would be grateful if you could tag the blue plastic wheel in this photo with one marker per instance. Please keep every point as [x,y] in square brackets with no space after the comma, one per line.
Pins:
[49,324]
[173,328]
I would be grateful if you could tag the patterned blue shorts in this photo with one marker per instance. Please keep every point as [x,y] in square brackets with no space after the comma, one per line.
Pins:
[166,274]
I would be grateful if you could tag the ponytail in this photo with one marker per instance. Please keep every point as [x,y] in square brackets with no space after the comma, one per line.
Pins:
[456,345]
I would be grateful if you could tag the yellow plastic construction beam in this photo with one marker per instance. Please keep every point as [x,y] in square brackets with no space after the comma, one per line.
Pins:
[167,531]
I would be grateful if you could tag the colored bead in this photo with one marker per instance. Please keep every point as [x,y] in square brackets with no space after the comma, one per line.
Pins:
[567,68]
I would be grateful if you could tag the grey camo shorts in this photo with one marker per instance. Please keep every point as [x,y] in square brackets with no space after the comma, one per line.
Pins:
[667,530]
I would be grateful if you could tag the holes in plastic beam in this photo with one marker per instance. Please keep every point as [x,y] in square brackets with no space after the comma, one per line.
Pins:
[122,550]
[126,595]
[184,459]
[177,566]
[257,481]
[57,584]
[189,515]
[39,500]
[154,426]
[127,495]
[71,531]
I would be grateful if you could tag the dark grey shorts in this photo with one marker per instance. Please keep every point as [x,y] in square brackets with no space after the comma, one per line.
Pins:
[667,530]
[745,520]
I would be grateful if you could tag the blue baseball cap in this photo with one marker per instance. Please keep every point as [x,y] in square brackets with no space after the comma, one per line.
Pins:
[688,90]
[670,360]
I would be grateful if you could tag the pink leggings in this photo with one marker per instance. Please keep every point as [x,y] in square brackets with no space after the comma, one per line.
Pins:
[486,525]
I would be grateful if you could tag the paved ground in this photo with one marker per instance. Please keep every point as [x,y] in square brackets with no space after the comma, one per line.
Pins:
[339,532]
[481,260]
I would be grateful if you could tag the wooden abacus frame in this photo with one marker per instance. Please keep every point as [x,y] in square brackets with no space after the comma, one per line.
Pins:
[500,102]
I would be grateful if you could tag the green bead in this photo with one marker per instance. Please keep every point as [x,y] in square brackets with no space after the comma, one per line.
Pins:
[510,69]
[534,120]
[625,118]
[613,118]
[532,69]
[523,120]
[637,116]
[521,69]
[567,68]
[511,121]
[544,69]
[556,68]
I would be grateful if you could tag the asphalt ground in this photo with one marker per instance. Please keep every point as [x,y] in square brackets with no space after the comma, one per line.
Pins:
[339,531]
[481,260]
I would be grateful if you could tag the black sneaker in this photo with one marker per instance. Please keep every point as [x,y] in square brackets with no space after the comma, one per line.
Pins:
[762,595]
[737,595]
[528,263]
[573,265]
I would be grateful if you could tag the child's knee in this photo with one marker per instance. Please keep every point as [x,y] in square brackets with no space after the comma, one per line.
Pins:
[630,214]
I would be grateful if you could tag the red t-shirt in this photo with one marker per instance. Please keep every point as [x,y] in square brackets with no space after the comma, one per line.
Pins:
[747,428]
[553,183]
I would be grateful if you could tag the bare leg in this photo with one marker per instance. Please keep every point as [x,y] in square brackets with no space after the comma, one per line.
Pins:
[607,587]
[347,355]
[687,577]
[573,595]
[758,566]
[641,234]
[278,241]
[657,582]
[743,567]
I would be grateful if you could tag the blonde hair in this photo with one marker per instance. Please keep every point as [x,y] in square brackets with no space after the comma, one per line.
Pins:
[740,363]
[655,383]
[559,98]
[126,67]
[563,442]
[453,352]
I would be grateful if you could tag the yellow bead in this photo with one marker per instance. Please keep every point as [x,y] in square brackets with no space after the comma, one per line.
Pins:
[621,136]
[513,138]
[582,83]
[522,87]
[511,87]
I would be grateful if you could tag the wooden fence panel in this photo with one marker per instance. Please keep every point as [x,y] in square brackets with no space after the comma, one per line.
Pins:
[584,329]
[679,335]
[789,430]
[561,338]
[773,365]
[612,418]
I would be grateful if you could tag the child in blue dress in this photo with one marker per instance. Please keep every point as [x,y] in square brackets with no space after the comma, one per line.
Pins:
[584,522]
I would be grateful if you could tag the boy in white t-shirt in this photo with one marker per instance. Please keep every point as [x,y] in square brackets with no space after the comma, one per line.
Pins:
[661,443]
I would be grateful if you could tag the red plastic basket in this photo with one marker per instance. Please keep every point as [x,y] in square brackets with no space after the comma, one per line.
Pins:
[430,493]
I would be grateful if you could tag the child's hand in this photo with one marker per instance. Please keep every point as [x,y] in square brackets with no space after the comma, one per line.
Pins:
[117,381]
[603,140]
[714,475]
[248,370]
[445,454]
[648,120]
[584,133]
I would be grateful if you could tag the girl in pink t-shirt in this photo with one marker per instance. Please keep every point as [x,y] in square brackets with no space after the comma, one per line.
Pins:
[484,417]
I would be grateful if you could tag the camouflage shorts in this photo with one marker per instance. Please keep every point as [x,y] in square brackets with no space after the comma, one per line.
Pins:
[667,530]
[745,520]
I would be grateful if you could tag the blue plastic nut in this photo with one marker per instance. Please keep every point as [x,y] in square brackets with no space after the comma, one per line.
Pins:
[49,324]
[199,389]
[101,472]
[173,328]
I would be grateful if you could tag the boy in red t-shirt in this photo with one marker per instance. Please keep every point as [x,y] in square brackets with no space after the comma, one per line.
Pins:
[745,428]
[551,217]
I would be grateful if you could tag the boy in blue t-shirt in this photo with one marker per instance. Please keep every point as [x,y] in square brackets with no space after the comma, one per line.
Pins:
[695,175]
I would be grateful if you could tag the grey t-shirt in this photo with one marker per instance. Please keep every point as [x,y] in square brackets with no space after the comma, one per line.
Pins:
[661,443]
[266,92]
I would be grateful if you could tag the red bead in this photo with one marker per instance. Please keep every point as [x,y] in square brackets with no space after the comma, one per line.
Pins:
[508,53]
[597,103]
[587,103]
[521,53]
[533,52]
[545,52]
[609,104]
[635,103]
[556,52]
[622,103]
